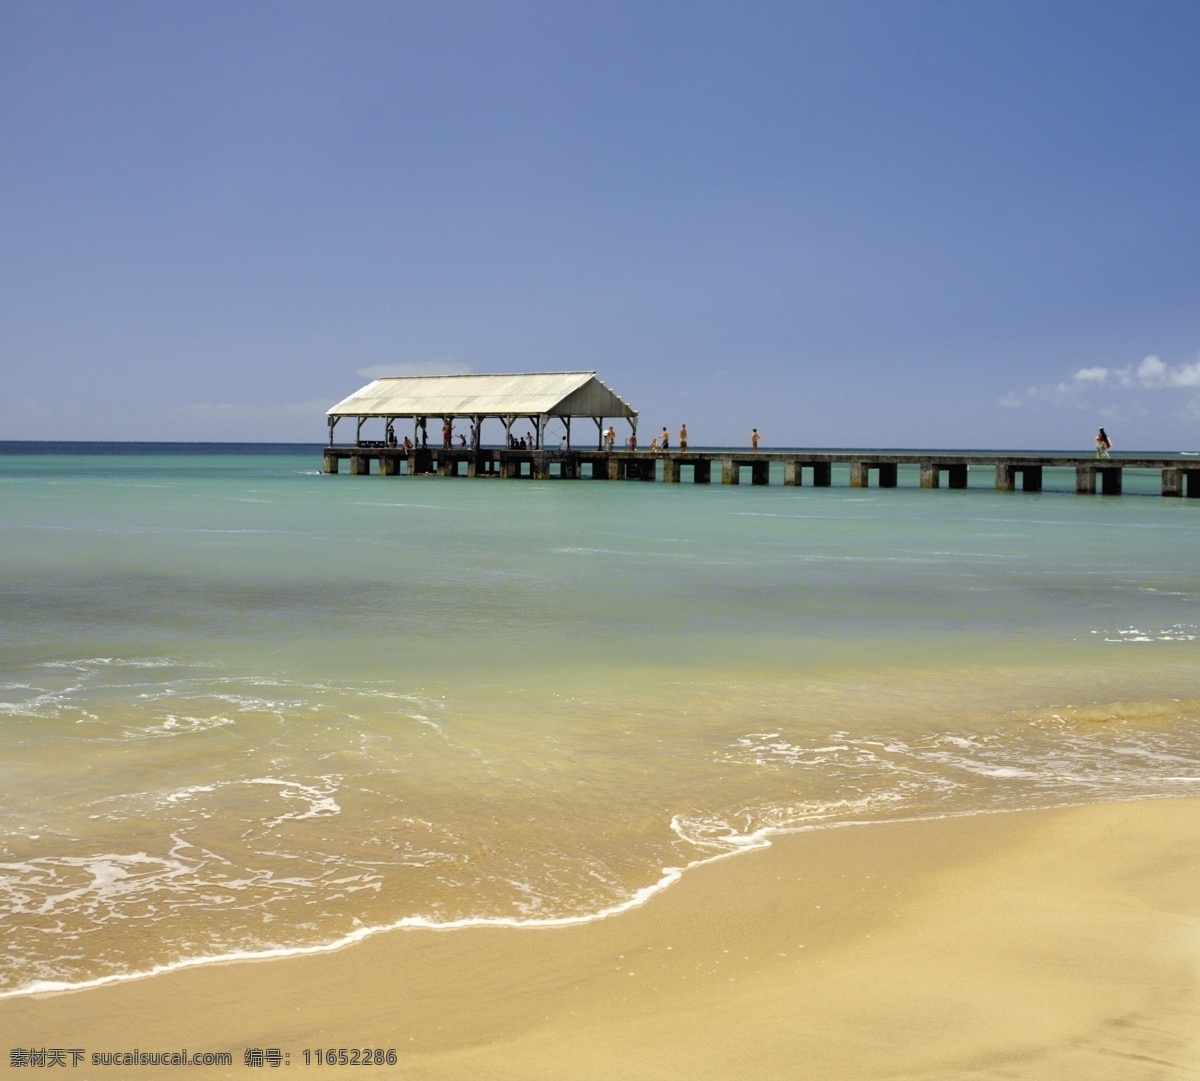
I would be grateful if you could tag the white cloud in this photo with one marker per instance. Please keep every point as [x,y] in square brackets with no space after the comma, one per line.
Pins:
[1010,401]
[1151,374]
[441,366]
[1186,375]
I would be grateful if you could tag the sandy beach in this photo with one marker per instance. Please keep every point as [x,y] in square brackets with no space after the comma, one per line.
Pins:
[1034,944]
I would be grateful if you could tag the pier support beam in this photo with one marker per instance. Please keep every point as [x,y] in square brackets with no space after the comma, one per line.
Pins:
[670,470]
[1172,482]
[1031,478]
[931,475]
[730,471]
[793,474]
[1085,480]
[389,465]
[331,462]
[612,468]
[702,471]
[1005,477]
[360,465]
[958,475]
[1110,480]
[760,472]
[888,472]
[860,475]
[822,474]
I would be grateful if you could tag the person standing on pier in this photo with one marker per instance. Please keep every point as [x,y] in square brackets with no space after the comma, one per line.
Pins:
[665,440]
[1103,444]
[754,437]
[683,437]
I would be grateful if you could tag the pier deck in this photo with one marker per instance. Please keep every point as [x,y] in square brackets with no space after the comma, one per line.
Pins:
[1180,476]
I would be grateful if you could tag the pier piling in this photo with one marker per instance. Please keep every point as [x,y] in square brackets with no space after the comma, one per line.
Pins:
[1180,477]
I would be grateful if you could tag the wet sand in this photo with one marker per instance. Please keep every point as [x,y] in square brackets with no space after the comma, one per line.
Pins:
[1036,944]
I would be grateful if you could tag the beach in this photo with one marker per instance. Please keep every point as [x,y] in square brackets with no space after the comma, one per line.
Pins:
[1035,944]
[569,779]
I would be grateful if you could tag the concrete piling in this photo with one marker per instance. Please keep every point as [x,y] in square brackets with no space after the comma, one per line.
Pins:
[1180,477]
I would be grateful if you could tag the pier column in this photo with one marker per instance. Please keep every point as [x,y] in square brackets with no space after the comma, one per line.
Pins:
[360,465]
[958,475]
[793,474]
[389,465]
[730,471]
[1110,480]
[670,470]
[860,475]
[1005,477]
[1031,478]
[1191,479]
[1172,482]
[1085,480]
[760,473]
[931,475]
[612,468]
[331,462]
[888,472]
[822,474]
[702,471]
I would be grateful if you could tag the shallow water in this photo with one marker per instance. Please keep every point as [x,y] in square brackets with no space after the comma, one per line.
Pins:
[244,706]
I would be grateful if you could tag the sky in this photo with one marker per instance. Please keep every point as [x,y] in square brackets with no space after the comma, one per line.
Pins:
[885,224]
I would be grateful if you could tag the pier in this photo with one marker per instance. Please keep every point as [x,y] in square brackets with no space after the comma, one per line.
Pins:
[1179,477]
[545,404]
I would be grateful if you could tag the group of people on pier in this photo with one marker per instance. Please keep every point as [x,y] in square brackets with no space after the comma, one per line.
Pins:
[661,444]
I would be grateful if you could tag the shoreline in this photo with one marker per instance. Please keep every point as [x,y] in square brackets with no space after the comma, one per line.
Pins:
[671,876]
[1045,939]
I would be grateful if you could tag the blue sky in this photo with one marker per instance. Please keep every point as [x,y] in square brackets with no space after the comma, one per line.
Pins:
[848,224]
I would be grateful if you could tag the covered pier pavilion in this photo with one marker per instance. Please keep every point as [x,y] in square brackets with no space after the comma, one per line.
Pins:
[459,406]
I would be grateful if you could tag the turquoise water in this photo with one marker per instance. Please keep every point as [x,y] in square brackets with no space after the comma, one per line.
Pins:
[246,707]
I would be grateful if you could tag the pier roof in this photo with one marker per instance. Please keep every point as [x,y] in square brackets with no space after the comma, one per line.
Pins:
[558,394]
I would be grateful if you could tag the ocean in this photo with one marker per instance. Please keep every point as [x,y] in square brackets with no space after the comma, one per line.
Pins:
[248,709]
